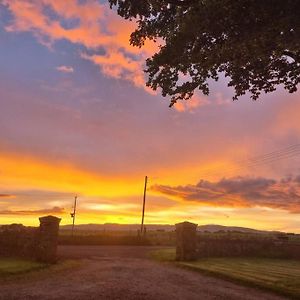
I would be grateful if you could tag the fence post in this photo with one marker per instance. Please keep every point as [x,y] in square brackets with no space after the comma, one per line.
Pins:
[48,239]
[186,241]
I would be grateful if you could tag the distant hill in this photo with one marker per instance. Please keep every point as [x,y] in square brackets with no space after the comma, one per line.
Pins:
[159,227]
[117,227]
[216,228]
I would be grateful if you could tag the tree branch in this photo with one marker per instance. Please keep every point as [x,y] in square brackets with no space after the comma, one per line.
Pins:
[182,3]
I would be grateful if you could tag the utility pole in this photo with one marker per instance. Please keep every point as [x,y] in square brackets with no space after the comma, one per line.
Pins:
[144,202]
[73,214]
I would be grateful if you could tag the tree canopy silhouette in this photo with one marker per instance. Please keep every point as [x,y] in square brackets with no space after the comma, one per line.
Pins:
[256,44]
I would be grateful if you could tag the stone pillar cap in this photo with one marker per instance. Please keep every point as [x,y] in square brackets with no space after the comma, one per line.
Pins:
[49,219]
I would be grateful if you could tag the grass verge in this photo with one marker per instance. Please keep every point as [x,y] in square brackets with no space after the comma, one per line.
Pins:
[279,275]
[11,266]
[17,267]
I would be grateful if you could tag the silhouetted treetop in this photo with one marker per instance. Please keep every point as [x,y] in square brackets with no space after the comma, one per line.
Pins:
[255,43]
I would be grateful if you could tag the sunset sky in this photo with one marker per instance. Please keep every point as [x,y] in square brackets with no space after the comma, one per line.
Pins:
[76,118]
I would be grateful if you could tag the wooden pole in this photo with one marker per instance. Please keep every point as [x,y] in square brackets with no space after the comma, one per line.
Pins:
[73,215]
[144,202]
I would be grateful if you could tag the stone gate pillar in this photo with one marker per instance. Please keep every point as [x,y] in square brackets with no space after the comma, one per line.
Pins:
[48,239]
[186,241]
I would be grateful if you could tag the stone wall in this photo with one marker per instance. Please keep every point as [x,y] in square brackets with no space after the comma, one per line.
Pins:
[30,242]
[250,247]
[18,240]
[190,246]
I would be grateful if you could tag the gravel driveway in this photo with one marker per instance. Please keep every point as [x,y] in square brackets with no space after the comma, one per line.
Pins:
[117,272]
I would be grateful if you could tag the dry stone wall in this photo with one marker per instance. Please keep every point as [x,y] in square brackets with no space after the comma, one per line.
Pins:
[39,243]
[190,246]
[248,247]
[18,240]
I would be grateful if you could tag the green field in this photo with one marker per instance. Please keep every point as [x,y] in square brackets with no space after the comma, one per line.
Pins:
[153,237]
[122,237]
[279,275]
[10,266]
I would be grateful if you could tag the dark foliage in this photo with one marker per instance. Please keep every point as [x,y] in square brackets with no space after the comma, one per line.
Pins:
[256,44]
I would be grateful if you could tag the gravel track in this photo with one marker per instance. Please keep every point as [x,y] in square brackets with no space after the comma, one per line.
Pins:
[117,272]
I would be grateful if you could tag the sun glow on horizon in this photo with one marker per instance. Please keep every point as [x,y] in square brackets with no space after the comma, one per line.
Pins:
[77,118]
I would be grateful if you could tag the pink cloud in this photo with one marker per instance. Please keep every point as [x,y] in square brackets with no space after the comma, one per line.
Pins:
[65,69]
[192,104]
[240,192]
[117,65]
[96,27]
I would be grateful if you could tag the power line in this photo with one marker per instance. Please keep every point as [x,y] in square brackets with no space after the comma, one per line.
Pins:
[272,160]
[257,164]
[274,156]
[289,148]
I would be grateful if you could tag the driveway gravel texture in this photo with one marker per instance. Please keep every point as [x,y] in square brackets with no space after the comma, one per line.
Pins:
[122,272]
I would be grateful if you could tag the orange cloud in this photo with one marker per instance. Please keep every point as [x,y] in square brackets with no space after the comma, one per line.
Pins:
[117,65]
[95,26]
[31,16]
[192,104]
[55,210]
[6,196]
